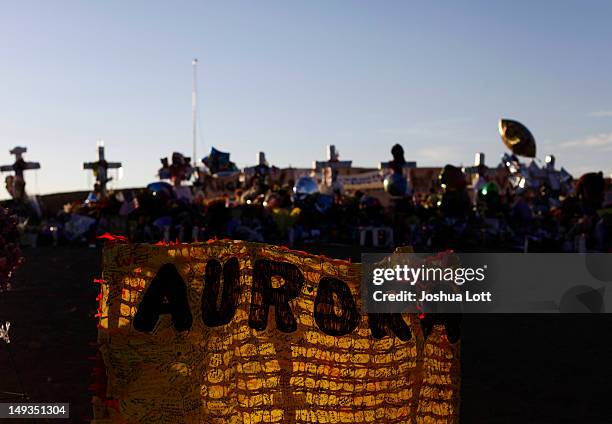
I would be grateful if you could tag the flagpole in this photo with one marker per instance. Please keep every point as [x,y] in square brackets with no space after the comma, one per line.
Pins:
[194,111]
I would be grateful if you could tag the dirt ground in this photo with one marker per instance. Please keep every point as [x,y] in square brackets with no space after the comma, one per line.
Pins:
[515,369]
[52,308]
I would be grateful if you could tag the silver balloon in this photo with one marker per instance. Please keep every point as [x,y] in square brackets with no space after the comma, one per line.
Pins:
[304,187]
[532,176]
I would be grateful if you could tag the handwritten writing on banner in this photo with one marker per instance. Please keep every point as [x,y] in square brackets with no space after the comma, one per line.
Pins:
[242,332]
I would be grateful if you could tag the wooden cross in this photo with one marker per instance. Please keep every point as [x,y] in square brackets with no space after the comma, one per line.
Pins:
[264,173]
[385,167]
[20,165]
[262,169]
[100,169]
[479,174]
[479,165]
[332,163]
[407,165]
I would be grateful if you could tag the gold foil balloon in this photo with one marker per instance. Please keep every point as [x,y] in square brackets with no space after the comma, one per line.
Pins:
[517,138]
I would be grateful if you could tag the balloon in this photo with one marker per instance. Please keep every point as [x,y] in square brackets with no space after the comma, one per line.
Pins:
[161,188]
[517,138]
[305,192]
[305,186]
[218,161]
[489,193]
[489,189]
[395,185]
[323,203]
[91,197]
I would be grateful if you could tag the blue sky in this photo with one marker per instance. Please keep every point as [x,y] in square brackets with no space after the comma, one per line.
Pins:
[289,77]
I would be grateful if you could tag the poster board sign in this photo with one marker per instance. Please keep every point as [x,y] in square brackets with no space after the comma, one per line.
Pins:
[371,180]
[237,332]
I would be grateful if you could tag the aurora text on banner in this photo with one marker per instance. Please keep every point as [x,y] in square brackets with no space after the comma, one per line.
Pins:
[242,332]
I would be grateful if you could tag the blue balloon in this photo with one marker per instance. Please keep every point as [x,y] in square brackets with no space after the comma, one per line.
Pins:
[396,185]
[324,202]
[161,188]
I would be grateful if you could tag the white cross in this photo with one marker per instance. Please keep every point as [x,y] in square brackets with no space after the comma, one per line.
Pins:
[479,160]
[262,164]
[332,163]
[20,165]
[101,167]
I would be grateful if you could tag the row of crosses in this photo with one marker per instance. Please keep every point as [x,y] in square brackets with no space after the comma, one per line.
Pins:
[15,184]
[328,168]
[180,169]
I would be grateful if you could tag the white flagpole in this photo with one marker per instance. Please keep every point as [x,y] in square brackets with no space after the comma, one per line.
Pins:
[194,111]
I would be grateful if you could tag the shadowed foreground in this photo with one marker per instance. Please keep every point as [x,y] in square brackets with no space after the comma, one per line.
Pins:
[540,369]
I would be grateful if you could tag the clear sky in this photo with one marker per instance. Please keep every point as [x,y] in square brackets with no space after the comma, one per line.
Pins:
[289,77]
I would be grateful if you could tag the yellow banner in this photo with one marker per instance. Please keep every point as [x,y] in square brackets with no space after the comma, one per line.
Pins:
[237,332]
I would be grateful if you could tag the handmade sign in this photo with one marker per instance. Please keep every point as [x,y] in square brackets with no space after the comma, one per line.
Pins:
[371,180]
[237,332]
